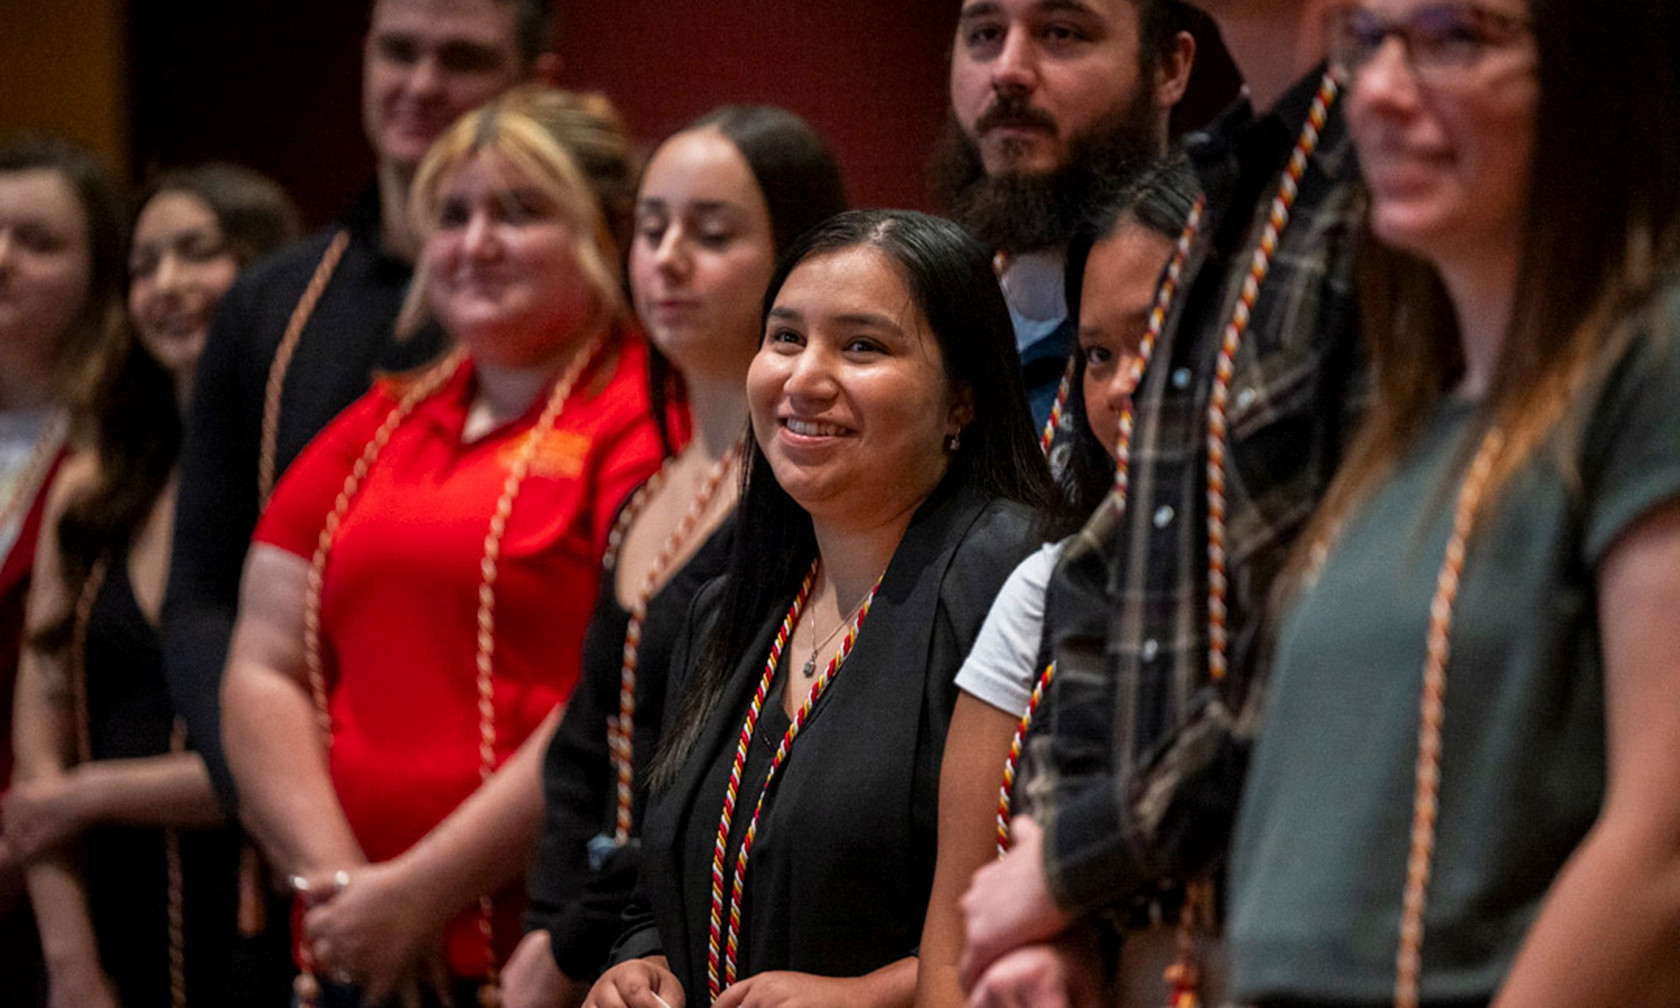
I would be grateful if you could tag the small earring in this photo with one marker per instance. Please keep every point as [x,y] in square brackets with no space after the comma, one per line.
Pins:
[953,442]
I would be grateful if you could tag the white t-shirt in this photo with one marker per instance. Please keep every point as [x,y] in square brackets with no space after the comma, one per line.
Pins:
[1002,668]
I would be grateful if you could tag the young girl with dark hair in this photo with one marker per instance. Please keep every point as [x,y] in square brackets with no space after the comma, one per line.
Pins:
[133,881]
[1113,266]
[890,486]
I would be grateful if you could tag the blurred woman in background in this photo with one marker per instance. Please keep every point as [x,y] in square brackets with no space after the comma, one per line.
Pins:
[1464,788]
[61,273]
[415,602]
[141,912]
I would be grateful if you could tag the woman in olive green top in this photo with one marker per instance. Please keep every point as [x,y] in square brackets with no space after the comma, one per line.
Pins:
[1465,791]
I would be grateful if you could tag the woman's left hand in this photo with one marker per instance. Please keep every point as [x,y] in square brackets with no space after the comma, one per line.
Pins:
[41,814]
[377,928]
[785,989]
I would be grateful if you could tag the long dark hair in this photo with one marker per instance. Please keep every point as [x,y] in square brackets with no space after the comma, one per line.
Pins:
[800,181]
[1159,199]
[1601,232]
[129,410]
[950,279]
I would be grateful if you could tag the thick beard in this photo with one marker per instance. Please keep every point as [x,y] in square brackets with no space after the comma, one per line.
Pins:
[1026,213]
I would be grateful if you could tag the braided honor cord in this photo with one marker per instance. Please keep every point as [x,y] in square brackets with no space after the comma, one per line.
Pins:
[620,729]
[1063,390]
[1277,220]
[484,659]
[715,983]
[1432,713]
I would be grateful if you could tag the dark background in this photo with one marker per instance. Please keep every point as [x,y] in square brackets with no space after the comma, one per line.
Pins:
[156,83]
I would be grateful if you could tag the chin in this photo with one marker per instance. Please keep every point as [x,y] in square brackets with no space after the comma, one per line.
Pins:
[1409,227]
[1019,159]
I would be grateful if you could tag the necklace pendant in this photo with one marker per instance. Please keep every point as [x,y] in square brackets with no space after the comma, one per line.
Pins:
[810,667]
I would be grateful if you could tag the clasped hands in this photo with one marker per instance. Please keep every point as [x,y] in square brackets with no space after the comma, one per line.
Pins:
[373,925]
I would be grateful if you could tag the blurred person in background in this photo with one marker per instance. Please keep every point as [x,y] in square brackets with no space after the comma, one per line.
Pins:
[414,608]
[133,883]
[62,237]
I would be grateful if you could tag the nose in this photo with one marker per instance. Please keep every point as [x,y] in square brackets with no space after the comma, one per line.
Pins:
[811,376]
[671,254]
[168,276]
[1016,67]
[1387,80]
[1118,391]
[479,238]
[426,77]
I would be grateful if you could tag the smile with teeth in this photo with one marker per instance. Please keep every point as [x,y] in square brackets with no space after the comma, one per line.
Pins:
[811,428]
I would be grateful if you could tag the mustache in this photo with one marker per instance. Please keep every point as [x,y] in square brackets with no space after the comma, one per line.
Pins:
[1013,110]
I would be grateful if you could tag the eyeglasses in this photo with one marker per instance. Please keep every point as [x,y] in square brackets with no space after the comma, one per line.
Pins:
[1442,42]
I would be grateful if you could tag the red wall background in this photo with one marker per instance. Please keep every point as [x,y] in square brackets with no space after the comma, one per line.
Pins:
[276,84]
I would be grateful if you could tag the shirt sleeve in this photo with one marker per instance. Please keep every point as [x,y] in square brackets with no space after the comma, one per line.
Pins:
[1000,668]
[1631,451]
[1088,861]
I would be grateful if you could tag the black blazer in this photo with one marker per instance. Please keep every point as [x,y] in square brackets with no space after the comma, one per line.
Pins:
[843,859]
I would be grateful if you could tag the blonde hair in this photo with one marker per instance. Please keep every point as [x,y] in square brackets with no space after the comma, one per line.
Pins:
[573,147]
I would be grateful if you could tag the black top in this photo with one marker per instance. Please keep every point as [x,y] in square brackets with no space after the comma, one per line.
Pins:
[129,717]
[347,339]
[843,859]
[579,907]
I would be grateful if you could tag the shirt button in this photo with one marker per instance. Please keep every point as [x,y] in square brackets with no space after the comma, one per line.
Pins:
[1151,648]
[1246,397]
[1181,379]
[1163,516]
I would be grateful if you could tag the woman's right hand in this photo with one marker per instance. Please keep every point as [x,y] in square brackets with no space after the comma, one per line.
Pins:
[532,979]
[639,983]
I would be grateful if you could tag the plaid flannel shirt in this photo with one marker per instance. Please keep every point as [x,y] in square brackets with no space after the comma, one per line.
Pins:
[1142,755]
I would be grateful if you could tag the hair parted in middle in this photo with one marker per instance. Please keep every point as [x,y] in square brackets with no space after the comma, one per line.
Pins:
[951,283]
[573,146]
[795,172]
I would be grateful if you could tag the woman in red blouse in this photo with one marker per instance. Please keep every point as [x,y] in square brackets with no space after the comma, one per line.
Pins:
[413,608]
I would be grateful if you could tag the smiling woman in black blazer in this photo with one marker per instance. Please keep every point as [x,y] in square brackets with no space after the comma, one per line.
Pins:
[890,489]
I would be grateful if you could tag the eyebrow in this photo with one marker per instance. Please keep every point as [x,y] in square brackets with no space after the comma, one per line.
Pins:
[988,8]
[870,319]
[699,206]
[1091,332]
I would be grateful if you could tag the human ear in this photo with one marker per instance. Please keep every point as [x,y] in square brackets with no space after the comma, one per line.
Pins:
[961,413]
[1172,74]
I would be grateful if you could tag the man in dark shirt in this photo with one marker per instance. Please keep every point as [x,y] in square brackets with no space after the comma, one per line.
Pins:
[1146,739]
[1053,104]
[262,393]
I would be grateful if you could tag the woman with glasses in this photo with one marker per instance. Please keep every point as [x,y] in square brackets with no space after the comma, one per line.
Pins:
[1464,791]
